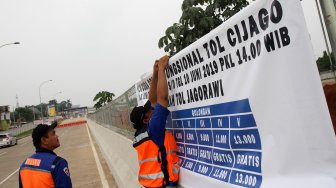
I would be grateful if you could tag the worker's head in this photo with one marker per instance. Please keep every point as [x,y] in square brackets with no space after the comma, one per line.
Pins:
[141,115]
[45,137]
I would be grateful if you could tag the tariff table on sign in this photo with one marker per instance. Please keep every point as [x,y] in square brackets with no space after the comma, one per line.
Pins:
[219,141]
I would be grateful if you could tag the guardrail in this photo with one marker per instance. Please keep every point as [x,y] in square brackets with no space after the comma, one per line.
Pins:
[115,115]
[72,124]
[21,129]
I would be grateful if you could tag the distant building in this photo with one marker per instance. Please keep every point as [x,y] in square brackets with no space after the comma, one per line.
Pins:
[91,110]
[5,117]
[75,112]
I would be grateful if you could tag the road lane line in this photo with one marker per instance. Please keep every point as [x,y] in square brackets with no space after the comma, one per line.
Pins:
[3,181]
[100,168]
[3,153]
[24,144]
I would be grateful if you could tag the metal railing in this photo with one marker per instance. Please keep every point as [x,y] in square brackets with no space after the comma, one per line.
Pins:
[115,115]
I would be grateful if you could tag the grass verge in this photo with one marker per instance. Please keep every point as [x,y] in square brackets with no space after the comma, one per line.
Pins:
[24,134]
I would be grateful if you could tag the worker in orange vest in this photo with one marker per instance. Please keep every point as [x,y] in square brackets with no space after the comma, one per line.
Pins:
[155,146]
[45,169]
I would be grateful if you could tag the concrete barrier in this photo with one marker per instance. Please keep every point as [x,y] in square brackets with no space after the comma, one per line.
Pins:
[21,129]
[118,153]
[81,122]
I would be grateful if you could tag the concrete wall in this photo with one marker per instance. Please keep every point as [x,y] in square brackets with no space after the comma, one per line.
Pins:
[21,129]
[118,153]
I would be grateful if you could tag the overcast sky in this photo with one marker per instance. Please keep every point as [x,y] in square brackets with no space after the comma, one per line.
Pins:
[86,46]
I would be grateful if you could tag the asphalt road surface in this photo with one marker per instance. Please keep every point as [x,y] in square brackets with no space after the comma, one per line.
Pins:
[87,166]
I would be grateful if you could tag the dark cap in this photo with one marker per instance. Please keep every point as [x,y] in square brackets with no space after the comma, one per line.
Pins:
[138,113]
[41,130]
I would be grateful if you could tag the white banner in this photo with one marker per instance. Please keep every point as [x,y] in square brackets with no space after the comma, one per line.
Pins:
[247,105]
[142,89]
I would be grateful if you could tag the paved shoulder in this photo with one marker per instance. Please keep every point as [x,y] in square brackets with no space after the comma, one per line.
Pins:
[75,148]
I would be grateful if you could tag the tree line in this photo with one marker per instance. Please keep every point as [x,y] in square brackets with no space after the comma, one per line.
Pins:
[29,112]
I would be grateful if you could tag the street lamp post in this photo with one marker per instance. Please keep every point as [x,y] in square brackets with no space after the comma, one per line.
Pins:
[40,96]
[14,114]
[33,114]
[55,100]
[9,44]
[332,27]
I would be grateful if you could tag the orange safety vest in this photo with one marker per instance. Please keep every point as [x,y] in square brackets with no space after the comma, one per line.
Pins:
[37,178]
[150,161]
[36,171]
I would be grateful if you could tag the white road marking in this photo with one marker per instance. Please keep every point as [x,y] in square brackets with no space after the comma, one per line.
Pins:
[3,181]
[24,144]
[3,153]
[100,169]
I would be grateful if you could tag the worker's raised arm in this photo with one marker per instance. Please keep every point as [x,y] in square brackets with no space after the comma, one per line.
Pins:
[153,86]
[162,86]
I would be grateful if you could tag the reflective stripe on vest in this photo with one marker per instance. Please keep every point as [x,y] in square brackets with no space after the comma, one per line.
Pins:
[140,137]
[171,152]
[151,176]
[36,169]
[172,158]
[176,170]
[150,171]
[148,160]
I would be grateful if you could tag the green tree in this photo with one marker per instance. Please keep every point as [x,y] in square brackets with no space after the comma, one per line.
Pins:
[3,109]
[68,103]
[323,63]
[36,111]
[24,114]
[61,106]
[53,102]
[102,98]
[44,108]
[198,18]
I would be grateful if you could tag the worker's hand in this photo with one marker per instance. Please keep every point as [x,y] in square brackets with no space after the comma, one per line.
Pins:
[163,62]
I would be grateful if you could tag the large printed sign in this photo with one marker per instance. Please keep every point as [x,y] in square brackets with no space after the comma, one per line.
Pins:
[247,105]
[51,111]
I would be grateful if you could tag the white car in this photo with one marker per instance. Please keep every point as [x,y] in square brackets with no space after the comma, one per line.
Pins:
[7,139]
